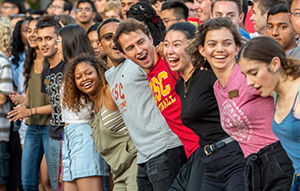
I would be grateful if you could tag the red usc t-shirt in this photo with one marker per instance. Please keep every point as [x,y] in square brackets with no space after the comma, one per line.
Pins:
[162,84]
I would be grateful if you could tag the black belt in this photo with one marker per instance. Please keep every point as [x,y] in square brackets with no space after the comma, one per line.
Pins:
[209,149]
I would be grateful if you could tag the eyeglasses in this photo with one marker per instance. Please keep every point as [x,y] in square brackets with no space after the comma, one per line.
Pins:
[296,14]
[17,16]
[87,9]
[7,7]
[107,36]
[55,7]
[177,19]
[57,41]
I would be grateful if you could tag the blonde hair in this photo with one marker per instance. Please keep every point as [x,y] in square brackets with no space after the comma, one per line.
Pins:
[5,34]
[113,5]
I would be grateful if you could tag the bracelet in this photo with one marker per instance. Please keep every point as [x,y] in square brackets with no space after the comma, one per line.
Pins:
[30,112]
[35,111]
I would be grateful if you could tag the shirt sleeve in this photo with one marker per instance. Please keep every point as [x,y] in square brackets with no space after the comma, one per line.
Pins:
[6,77]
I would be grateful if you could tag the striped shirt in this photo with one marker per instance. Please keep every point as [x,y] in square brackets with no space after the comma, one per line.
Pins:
[6,88]
[113,120]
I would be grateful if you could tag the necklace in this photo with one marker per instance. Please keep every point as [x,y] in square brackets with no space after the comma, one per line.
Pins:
[186,88]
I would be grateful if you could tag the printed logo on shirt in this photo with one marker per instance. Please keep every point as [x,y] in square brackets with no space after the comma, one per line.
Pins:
[234,122]
[117,93]
[54,81]
[161,92]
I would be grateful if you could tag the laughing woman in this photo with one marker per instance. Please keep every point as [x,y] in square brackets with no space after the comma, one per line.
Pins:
[79,172]
[270,70]
[245,115]
[85,79]
[200,113]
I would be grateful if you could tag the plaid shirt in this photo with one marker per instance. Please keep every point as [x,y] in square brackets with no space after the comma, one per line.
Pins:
[6,88]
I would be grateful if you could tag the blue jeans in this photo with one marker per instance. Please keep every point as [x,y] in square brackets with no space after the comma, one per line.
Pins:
[76,146]
[35,145]
[53,164]
[296,184]
[159,173]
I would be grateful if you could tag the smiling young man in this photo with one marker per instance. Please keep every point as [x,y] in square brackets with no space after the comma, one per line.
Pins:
[231,9]
[133,39]
[47,31]
[280,28]
[159,149]
[85,13]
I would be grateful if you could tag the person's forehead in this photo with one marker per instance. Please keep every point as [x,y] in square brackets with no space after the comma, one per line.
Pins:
[129,1]
[109,27]
[58,2]
[114,10]
[84,4]
[93,34]
[168,12]
[8,4]
[137,34]
[25,23]
[279,18]
[295,4]
[32,24]
[46,31]
[225,6]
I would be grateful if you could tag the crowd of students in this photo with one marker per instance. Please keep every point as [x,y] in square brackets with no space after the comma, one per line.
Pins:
[153,95]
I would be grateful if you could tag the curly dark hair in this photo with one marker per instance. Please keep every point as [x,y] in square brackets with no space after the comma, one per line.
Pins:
[144,12]
[17,44]
[72,97]
[18,47]
[197,59]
